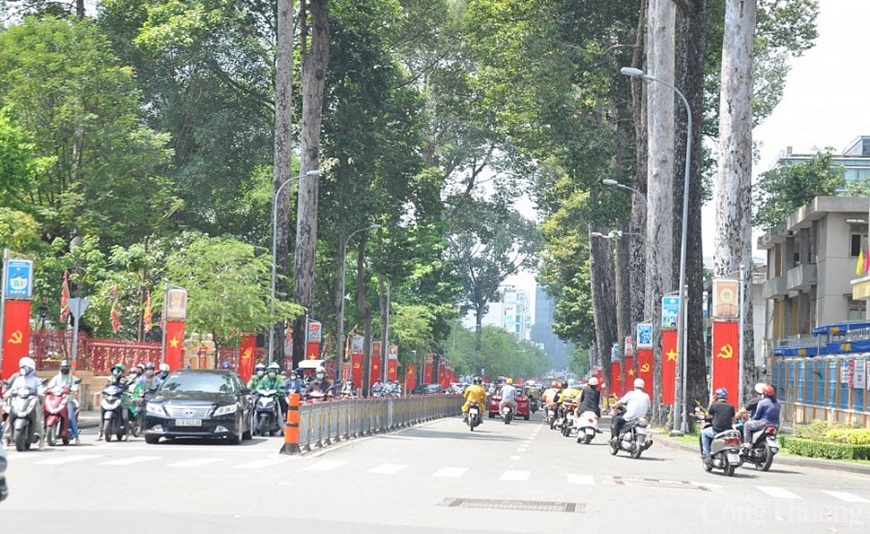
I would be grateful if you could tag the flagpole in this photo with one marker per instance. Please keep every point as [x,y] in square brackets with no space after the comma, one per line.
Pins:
[163,324]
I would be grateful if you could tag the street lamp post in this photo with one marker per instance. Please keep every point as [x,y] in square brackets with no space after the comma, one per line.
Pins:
[313,172]
[341,276]
[614,183]
[678,419]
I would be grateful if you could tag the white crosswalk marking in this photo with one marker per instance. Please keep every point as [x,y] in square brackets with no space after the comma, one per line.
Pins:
[515,475]
[778,493]
[132,460]
[387,469]
[196,462]
[67,459]
[260,464]
[326,465]
[585,480]
[846,496]
[450,472]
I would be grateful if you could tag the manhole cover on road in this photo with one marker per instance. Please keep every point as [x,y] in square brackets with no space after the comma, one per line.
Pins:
[505,504]
[654,483]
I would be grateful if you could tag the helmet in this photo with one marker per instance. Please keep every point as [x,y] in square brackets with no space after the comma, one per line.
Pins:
[260,367]
[759,388]
[320,369]
[510,380]
[149,365]
[593,381]
[164,367]
[477,380]
[571,382]
[28,362]
[721,393]
[274,365]
[639,383]
[64,363]
[769,391]
[120,366]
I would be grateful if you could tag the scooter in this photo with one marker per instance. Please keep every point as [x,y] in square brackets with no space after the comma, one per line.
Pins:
[507,413]
[56,411]
[724,452]
[268,412]
[632,438]
[567,421]
[22,417]
[473,416]
[112,416]
[763,447]
[587,427]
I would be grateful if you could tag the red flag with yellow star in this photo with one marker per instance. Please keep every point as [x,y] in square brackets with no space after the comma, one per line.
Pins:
[174,343]
[669,365]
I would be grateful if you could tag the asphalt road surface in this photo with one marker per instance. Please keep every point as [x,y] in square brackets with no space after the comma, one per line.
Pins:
[437,477]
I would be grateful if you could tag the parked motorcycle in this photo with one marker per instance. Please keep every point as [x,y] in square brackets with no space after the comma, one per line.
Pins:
[763,447]
[474,418]
[268,412]
[56,409]
[724,452]
[587,427]
[22,417]
[112,412]
[632,438]
[507,413]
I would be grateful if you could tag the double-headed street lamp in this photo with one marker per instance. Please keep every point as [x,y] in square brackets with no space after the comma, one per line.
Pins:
[341,276]
[679,378]
[313,172]
[613,234]
[614,183]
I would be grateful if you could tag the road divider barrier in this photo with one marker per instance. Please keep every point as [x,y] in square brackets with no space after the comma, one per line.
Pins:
[291,429]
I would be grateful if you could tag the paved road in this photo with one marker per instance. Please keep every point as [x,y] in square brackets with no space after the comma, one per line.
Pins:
[432,478]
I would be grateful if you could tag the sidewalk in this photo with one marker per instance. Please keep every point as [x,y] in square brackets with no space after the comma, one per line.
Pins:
[784,459]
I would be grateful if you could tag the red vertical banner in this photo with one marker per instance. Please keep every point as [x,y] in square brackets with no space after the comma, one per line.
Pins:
[377,370]
[356,363]
[615,379]
[726,358]
[16,335]
[174,344]
[645,369]
[247,346]
[312,341]
[629,375]
[393,363]
[427,369]
[669,365]
[410,378]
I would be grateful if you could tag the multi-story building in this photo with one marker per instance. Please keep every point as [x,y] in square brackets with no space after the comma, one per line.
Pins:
[512,312]
[854,161]
[542,330]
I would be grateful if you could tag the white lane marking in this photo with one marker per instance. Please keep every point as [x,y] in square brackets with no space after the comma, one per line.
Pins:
[515,458]
[450,472]
[196,462]
[521,449]
[387,469]
[585,480]
[326,465]
[778,493]
[259,464]
[68,459]
[846,496]
[132,460]
[515,475]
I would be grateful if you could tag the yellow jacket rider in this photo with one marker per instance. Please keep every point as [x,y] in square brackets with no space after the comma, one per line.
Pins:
[474,393]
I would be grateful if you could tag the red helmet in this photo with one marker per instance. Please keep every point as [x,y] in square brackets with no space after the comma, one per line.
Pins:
[768,391]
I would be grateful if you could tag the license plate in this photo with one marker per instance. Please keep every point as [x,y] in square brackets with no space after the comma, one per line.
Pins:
[473,411]
[733,458]
[590,432]
[641,430]
[188,422]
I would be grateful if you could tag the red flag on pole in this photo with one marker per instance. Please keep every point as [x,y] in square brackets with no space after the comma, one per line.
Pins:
[147,321]
[116,312]
[669,365]
[64,298]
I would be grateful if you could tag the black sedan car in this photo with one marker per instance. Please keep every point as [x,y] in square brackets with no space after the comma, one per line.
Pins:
[200,403]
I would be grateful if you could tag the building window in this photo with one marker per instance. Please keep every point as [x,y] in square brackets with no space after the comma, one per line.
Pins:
[857,310]
[856,244]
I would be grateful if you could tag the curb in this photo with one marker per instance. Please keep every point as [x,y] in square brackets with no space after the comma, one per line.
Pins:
[797,461]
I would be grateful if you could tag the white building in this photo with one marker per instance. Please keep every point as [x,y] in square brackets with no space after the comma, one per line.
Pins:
[513,312]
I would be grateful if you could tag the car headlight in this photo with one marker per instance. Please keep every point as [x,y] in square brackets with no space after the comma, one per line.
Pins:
[224,410]
[155,408]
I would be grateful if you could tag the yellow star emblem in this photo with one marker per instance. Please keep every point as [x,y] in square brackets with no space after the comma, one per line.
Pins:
[672,355]
[631,372]
[173,342]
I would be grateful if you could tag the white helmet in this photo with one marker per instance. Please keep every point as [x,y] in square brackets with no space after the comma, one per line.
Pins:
[639,383]
[164,367]
[27,364]
[593,381]
[759,388]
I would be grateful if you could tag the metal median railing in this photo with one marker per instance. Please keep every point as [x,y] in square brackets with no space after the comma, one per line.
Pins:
[322,424]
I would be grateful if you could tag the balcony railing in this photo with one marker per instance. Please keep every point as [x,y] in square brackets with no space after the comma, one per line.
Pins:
[802,277]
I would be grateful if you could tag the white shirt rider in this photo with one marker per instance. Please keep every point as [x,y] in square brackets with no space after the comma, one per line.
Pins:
[508,396]
[636,404]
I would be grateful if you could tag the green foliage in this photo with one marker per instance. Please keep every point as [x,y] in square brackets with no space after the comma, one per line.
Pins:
[828,450]
[19,231]
[852,436]
[781,191]
[500,353]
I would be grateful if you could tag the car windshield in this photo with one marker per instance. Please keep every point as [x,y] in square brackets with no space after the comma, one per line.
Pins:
[199,382]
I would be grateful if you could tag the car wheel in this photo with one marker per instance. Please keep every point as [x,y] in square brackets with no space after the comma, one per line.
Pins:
[236,438]
[152,440]
[526,417]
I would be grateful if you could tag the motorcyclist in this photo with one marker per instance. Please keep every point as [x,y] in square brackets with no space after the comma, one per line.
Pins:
[767,413]
[348,389]
[259,373]
[64,378]
[722,416]
[590,398]
[273,380]
[147,383]
[508,394]
[474,393]
[137,372]
[549,396]
[377,388]
[320,383]
[293,384]
[119,379]
[748,411]
[636,403]
[27,378]
[164,371]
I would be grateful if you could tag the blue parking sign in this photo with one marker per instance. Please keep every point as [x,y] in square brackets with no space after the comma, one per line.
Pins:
[19,279]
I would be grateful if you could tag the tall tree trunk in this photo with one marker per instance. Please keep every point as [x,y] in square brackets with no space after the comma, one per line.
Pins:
[80,9]
[637,247]
[314,61]
[282,158]
[690,74]
[365,315]
[660,174]
[733,241]
[603,285]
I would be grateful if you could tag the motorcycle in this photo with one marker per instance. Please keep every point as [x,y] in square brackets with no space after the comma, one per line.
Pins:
[724,452]
[551,416]
[567,422]
[137,424]
[763,447]
[22,417]
[56,411]
[473,416]
[587,427]
[507,413]
[268,412]
[112,412]
[632,438]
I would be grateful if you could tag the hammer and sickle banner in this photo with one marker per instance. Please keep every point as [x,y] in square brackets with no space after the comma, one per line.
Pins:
[726,358]
[247,345]
[377,371]
[16,335]
[393,363]
[356,359]
[645,369]
[427,369]
[410,377]
[669,365]
[615,379]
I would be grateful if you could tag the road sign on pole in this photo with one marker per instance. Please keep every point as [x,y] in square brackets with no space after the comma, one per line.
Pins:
[77,308]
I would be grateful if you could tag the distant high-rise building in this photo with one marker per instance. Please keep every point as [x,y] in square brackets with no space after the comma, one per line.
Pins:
[542,331]
[512,312]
